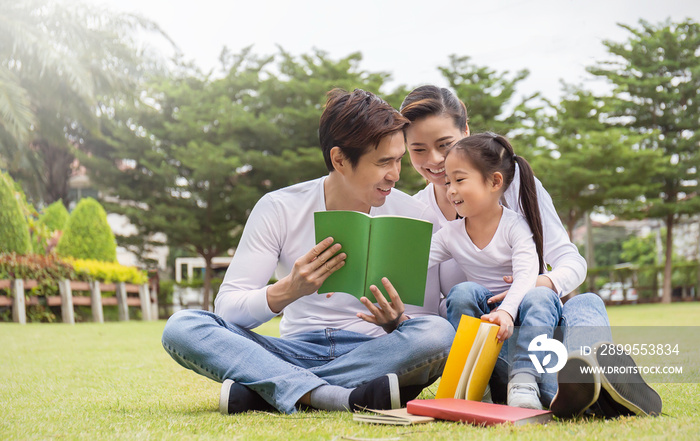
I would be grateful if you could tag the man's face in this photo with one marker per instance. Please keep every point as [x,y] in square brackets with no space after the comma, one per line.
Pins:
[377,171]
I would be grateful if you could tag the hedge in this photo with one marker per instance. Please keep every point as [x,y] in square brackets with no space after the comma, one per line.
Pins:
[48,270]
[108,272]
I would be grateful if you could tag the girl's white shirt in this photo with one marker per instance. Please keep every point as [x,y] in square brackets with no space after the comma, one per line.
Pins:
[568,266]
[510,251]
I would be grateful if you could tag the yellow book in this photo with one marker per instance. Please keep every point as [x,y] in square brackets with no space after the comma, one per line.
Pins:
[471,361]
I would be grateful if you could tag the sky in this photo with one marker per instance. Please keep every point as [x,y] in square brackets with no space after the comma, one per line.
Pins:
[554,39]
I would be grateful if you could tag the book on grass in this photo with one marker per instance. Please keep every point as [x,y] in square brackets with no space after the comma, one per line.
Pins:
[394,247]
[471,360]
[397,417]
[476,412]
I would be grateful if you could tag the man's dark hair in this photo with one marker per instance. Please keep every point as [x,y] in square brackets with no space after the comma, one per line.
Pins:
[356,122]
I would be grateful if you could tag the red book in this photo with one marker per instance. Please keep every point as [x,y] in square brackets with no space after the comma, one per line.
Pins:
[476,412]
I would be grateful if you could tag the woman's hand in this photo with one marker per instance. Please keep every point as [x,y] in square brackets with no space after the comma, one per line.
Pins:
[384,314]
[502,318]
[542,280]
[307,275]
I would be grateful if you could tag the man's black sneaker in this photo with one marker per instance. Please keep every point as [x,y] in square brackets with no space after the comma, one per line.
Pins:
[621,380]
[381,393]
[578,387]
[236,398]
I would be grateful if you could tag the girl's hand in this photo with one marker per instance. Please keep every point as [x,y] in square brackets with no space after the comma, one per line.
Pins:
[502,318]
[384,314]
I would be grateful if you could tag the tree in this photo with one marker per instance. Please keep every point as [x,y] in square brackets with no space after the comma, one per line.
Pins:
[57,62]
[14,233]
[488,96]
[583,163]
[655,76]
[88,235]
[193,156]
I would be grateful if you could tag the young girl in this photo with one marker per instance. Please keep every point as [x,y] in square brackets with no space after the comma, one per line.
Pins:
[491,240]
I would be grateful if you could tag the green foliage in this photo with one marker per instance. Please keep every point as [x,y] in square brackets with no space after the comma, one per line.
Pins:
[194,155]
[14,232]
[57,63]
[584,164]
[46,270]
[656,80]
[487,95]
[166,288]
[107,272]
[88,235]
[640,250]
[55,216]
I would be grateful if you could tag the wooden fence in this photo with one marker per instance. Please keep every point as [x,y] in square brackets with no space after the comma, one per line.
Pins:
[18,301]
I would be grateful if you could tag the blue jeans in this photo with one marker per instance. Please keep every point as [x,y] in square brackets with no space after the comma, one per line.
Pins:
[582,321]
[282,370]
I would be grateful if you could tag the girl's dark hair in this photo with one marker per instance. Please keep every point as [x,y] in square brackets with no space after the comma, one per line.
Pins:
[491,153]
[356,122]
[427,101]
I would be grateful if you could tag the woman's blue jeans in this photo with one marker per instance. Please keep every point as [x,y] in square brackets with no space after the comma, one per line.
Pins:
[282,370]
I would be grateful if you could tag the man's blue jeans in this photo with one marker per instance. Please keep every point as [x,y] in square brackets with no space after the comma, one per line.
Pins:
[582,321]
[282,370]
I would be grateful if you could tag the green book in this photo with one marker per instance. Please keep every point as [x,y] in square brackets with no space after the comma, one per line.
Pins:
[394,247]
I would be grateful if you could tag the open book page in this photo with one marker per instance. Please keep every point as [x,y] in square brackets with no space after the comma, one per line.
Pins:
[471,360]
[394,247]
[485,362]
[351,230]
[399,417]
[461,347]
[399,249]
[466,378]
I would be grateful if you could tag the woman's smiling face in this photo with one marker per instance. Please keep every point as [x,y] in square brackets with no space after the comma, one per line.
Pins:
[427,140]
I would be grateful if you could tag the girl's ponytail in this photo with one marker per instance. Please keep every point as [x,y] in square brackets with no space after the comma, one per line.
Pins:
[529,205]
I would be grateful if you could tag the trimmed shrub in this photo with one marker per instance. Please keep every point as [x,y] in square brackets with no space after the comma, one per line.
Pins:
[88,235]
[14,232]
[55,216]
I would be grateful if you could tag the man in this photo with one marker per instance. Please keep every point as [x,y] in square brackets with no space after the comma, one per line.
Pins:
[332,355]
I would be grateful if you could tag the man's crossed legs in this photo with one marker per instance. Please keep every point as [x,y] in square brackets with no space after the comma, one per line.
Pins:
[282,371]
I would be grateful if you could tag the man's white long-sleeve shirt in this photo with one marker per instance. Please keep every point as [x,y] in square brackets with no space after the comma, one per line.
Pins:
[279,230]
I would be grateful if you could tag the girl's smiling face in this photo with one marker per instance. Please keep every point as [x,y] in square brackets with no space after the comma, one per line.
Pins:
[427,140]
[467,189]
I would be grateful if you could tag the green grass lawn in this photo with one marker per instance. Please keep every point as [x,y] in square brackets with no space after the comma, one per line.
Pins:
[115,381]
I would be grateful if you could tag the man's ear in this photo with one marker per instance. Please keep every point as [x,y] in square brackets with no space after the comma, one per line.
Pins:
[496,181]
[466,131]
[339,161]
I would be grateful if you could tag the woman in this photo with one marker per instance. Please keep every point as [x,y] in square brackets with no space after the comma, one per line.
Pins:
[438,120]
